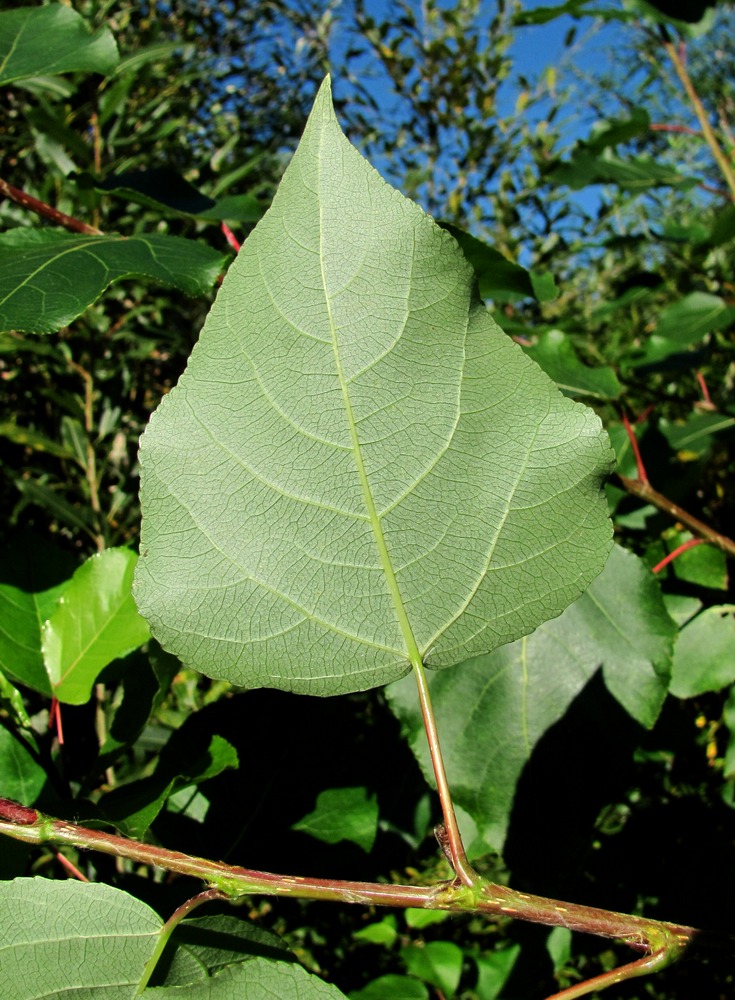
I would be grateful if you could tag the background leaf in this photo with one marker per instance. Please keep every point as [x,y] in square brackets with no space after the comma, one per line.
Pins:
[492,710]
[703,658]
[438,963]
[343,814]
[36,41]
[258,979]
[21,776]
[95,622]
[358,466]
[555,353]
[48,278]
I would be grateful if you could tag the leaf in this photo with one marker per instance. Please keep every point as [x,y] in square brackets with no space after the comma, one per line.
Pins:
[358,468]
[257,979]
[688,320]
[392,987]
[493,709]
[343,814]
[493,971]
[382,932]
[182,762]
[34,575]
[418,919]
[438,963]
[42,41]
[222,939]
[499,278]
[64,938]
[555,354]
[703,565]
[703,658]
[48,278]
[96,622]
[635,173]
[21,776]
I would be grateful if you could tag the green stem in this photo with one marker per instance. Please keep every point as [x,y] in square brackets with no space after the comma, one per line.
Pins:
[454,846]
[641,967]
[167,930]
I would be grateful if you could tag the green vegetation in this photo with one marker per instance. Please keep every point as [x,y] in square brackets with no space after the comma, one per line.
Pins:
[426,538]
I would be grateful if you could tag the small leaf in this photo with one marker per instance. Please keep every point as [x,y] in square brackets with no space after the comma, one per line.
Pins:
[96,622]
[392,987]
[358,468]
[343,814]
[555,354]
[703,565]
[48,278]
[42,41]
[517,692]
[438,963]
[383,932]
[493,971]
[418,919]
[703,657]
[222,939]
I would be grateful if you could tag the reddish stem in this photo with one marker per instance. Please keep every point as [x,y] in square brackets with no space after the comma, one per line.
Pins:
[705,391]
[642,475]
[230,237]
[47,211]
[677,552]
[54,719]
[70,867]
[676,128]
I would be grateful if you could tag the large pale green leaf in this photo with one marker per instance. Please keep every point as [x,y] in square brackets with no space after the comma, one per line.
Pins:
[492,710]
[68,939]
[358,467]
[95,622]
[48,278]
[42,41]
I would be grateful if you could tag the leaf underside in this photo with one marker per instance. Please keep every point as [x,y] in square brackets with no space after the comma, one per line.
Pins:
[358,468]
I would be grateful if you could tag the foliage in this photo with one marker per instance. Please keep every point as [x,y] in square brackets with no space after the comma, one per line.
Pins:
[328,502]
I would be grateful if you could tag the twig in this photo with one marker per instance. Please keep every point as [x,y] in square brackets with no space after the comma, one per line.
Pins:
[642,474]
[675,553]
[677,58]
[644,491]
[662,941]
[46,211]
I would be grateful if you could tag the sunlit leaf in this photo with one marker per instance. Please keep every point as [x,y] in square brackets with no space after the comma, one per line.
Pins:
[41,41]
[48,277]
[703,658]
[343,814]
[358,468]
[95,622]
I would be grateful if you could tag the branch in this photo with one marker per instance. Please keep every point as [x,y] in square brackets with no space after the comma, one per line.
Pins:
[662,942]
[46,211]
[681,71]
[644,491]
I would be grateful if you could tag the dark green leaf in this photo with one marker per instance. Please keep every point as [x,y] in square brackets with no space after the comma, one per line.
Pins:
[499,278]
[48,278]
[492,710]
[21,776]
[38,41]
[688,320]
[257,979]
